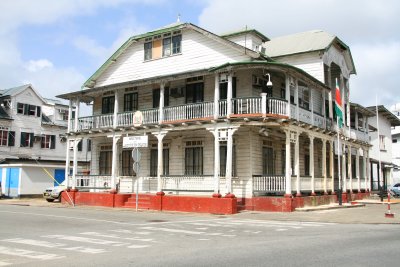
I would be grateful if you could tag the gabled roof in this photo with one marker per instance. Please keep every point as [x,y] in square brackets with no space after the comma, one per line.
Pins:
[19,89]
[246,31]
[165,29]
[304,42]
[361,109]
[14,90]
[393,119]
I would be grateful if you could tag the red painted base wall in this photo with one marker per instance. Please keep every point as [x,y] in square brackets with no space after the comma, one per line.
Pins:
[157,202]
[206,204]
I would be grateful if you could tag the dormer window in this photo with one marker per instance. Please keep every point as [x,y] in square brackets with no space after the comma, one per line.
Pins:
[162,45]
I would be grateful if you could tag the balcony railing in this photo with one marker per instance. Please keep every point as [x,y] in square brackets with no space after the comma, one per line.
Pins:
[252,106]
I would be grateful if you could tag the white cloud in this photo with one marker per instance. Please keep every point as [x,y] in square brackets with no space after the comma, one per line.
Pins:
[37,65]
[369,27]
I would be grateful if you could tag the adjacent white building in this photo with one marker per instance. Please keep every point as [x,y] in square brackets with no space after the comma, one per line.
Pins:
[383,148]
[33,142]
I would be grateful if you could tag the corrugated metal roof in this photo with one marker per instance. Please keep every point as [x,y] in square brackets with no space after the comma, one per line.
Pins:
[14,90]
[299,43]
[246,31]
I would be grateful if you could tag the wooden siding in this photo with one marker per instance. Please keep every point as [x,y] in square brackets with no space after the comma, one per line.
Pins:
[198,52]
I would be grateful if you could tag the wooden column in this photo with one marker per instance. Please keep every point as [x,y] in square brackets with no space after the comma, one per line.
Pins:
[297,163]
[160,167]
[288,174]
[324,164]
[312,165]
[216,96]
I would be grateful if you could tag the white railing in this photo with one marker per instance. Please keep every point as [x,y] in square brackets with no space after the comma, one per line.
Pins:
[189,111]
[222,108]
[319,121]
[188,183]
[268,183]
[128,184]
[276,106]
[91,182]
[305,116]
[247,105]
[359,135]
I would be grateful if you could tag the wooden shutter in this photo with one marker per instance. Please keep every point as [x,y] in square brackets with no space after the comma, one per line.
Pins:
[42,141]
[11,138]
[38,111]
[26,109]
[31,138]
[52,141]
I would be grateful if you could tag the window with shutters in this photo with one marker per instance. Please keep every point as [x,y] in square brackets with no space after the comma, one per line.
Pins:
[48,141]
[131,102]
[107,104]
[26,139]
[27,109]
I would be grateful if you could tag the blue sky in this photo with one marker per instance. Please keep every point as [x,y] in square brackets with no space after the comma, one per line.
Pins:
[57,45]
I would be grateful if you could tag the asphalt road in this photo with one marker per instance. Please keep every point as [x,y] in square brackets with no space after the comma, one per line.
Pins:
[61,236]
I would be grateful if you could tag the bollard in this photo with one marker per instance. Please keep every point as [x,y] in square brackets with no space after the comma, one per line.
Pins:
[389,214]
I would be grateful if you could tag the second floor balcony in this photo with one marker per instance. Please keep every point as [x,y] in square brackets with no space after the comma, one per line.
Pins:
[245,107]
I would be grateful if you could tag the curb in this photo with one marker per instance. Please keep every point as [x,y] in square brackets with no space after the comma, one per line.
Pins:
[346,206]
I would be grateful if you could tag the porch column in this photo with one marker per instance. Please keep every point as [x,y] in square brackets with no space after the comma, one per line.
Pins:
[349,168]
[312,165]
[229,157]
[312,105]
[67,163]
[288,173]
[77,103]
[215,132]
[287,95]
[324,164]
[368,173]
[216,97]
[324,107]
[114,166]
[160,147]
[115,122]
[331,166]
[297,163]
[296,98]
[75,162]
[69,116]
[229,96]
[344,176]
[161,105]
[358,170]
[364,172]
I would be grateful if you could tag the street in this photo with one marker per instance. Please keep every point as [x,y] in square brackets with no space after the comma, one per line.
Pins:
[86,236]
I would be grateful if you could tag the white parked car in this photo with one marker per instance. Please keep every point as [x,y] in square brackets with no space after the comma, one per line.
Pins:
[53,193]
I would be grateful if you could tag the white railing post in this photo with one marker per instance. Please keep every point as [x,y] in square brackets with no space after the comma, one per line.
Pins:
[264,104]
[229,95]
[161,105]
[287,95]
[216,96]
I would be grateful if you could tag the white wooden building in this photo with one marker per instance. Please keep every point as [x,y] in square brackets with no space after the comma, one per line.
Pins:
[382,151]
[235,114]
[32,141]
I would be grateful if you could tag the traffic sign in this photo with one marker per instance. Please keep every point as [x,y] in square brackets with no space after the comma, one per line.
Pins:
[136,167]
[136,155]
[135,141]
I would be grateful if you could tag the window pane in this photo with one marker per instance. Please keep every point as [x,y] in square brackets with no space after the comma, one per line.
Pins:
[147,50]
[176,44]
[166,47]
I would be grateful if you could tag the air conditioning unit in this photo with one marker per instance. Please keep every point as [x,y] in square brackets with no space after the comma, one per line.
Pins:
[176,92]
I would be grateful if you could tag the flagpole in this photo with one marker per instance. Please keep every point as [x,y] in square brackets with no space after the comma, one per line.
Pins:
[339,170]
[380,173]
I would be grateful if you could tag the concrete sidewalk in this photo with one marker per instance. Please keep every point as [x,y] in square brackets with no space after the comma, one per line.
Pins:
[363,212]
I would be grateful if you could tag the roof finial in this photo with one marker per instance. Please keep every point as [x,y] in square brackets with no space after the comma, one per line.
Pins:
[179,18]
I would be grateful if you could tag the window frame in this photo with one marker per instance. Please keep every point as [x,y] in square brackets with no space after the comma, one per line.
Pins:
[131,102]
[107,104]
